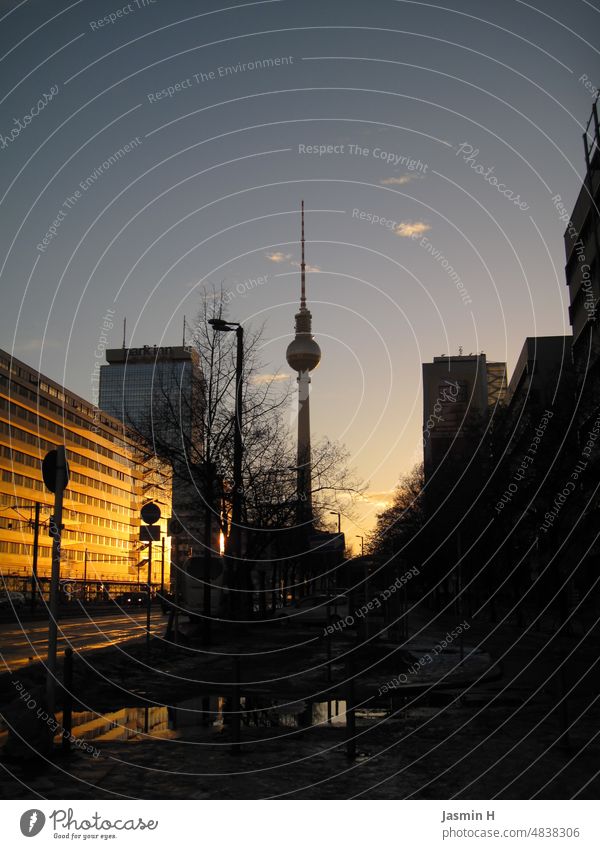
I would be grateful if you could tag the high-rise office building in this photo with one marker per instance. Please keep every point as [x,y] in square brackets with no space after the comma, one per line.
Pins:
[152,389]
[158,393]
[100,540]
[458,393]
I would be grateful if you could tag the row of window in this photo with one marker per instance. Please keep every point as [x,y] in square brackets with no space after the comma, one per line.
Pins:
[7,523]
[42,423]
[31,483]
[34,462]
[96,539]
[69,516]
[8,500]
[100,503]
[76,477]
[11,523]
[94,519]
[24,373]
[39,401]
[66,554]
[44,445]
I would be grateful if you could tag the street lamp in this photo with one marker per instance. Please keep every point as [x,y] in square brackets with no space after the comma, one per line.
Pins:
[234,540]
[362,544]
[339,517]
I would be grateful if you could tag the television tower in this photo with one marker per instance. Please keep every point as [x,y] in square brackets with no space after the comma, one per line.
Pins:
[303,355]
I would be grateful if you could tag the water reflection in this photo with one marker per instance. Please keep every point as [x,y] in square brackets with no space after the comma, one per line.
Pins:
[210,712]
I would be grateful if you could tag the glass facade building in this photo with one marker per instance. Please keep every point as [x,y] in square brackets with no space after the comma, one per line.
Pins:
[158,391]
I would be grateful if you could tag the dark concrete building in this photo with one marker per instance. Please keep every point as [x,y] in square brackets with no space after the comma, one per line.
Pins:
[542,374]
[583,276]
[458,393]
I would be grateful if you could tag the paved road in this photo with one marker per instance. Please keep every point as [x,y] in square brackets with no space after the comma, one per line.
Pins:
[26,642]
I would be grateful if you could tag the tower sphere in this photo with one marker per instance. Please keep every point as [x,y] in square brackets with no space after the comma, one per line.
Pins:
[303,353]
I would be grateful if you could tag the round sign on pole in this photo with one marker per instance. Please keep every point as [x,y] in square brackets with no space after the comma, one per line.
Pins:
[150,513]
[175,527]
[49,470]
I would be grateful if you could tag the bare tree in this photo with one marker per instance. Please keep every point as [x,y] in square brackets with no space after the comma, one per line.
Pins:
[191,429]
[399,525]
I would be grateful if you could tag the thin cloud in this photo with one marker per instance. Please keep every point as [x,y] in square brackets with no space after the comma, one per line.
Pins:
[308,266]
[411,228]
[397,181]
[37,345]
[269,378]
[379,500]
[278,256]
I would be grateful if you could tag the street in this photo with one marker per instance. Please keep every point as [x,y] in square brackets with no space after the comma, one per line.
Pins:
[26,642]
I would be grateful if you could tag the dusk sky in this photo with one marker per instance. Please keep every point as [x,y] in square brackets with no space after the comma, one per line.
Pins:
[376,113]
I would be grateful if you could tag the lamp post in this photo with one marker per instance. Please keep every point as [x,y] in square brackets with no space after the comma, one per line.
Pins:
[366,567]
[234,539]
[339,530]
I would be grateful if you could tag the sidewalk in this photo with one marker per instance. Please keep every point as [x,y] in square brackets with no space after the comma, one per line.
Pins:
[502,738]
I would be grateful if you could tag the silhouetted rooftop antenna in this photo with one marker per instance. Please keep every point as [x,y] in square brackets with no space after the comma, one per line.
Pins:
[184,331]
[124,330]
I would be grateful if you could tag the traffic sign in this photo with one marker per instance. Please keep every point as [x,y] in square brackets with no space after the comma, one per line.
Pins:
[49,471]
[150,513]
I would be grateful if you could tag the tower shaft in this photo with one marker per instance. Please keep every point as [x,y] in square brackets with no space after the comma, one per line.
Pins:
[304,476]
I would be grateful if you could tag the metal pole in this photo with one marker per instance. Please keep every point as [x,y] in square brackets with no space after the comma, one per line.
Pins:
[162,567]
[148,598]
[34,569]
[329,638]
[263,595]
[85,556]
[67,722]
[175,586]
[459,593]
[55,531]
[236,717]
[208,524]
[350,712]
[366,601]
[236,507]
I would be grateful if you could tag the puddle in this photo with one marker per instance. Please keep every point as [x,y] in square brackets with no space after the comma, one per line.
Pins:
[210,716]
[213,714]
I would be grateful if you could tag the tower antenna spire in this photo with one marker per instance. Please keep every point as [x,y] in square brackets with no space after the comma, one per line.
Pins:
[303,268]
